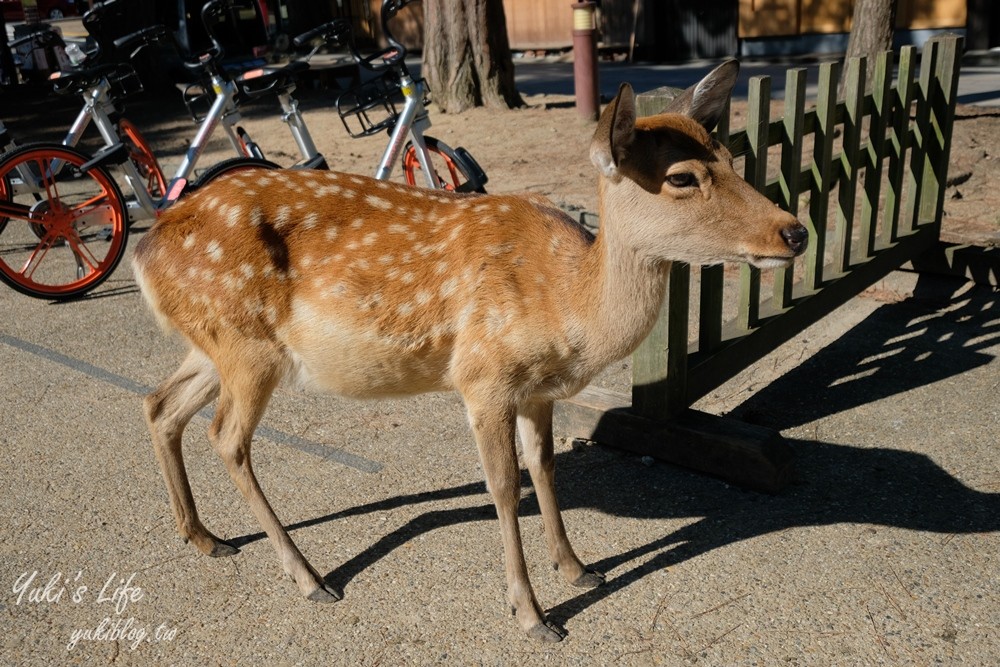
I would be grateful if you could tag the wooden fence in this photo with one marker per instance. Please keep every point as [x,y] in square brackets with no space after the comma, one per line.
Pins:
[872,195]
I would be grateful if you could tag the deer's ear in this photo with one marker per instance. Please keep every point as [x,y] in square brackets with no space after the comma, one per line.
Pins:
[705,101]
[615,133]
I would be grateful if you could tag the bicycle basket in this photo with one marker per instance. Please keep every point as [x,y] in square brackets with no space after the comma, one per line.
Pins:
[371,107]
[125,82]
[198,99]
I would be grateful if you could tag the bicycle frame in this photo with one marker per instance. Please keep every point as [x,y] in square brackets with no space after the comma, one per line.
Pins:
[412,122]
[98,108]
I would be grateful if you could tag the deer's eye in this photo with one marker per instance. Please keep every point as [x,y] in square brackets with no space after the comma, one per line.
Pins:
[682,180]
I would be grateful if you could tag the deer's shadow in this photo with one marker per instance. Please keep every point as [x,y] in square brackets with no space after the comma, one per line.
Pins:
[839,483]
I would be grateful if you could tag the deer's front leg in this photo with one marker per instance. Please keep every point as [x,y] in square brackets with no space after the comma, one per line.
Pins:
[534,423]
[494,431]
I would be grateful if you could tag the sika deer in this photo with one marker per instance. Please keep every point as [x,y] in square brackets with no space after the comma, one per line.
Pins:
[370,289]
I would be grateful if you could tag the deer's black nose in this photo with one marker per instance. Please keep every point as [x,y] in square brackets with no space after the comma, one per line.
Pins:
[797,238]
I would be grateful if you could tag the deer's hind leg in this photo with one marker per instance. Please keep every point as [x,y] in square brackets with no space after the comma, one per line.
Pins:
[249,372]
[168,410]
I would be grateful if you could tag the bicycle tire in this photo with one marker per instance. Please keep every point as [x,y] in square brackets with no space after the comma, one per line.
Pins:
[81,217]
[5,195]
[144,159]
[449,168]
[228,166]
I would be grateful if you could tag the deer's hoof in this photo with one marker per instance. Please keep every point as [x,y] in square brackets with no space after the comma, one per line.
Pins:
[589,579]
[325,593]
[547,632]
[222,549]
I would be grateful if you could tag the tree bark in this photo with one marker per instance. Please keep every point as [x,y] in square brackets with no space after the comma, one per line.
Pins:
[467,60]
[873,25]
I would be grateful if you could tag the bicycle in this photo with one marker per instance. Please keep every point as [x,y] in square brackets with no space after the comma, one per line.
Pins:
[76,217]
[372,107]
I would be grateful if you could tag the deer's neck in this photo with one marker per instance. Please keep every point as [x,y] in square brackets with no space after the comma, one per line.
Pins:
[624,288]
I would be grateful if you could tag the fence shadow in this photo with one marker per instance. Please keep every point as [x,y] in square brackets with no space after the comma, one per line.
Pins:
[938,332]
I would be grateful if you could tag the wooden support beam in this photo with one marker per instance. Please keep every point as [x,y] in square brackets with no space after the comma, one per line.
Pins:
[741,454]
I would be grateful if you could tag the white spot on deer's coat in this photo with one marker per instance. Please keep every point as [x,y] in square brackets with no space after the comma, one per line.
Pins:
[282,216]
[449,287]
[496,321]
[404,308]
[331,233]
[214,251]
[397,228]
[247,269]
[378,202]
[233,216]
[310,221]
[188,242]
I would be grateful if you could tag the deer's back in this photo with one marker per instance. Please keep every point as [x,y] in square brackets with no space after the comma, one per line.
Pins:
[370,288]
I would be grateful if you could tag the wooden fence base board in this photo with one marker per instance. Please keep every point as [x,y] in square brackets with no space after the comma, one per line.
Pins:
[742,454]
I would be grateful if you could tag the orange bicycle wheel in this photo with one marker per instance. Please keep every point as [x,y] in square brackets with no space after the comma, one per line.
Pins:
[142,156]
[449,168]
[66,229]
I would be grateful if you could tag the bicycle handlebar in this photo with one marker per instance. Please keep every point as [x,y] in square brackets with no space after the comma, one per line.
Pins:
[141,38]
[41,38]
[395,52]
[333,31]
[211,12]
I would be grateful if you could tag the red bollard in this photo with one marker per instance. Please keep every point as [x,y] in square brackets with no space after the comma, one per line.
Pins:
[588,103]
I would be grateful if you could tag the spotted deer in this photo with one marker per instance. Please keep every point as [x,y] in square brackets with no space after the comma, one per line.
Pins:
[372,289]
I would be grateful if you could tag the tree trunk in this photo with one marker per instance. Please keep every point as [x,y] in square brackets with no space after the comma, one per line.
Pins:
[872,27]
[467,60]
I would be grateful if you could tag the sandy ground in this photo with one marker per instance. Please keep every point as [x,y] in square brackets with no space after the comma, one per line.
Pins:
[883,552]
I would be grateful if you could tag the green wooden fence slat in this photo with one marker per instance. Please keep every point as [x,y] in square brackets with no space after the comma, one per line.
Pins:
[790,176]
[758,123]
[712,278]
[921,130]
[659,366]
[942,105]
[902,99]
[876,151]
[822,174]
[850,156]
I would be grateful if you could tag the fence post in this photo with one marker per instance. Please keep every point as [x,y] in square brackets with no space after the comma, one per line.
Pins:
[659,365]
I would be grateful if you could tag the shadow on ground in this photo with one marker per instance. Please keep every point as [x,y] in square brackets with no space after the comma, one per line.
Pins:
[940,331]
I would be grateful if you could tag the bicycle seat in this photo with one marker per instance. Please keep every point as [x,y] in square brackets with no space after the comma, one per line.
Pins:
[75,82]
[262,81]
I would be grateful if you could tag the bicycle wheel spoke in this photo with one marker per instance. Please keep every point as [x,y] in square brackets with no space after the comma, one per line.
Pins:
[82,254]
[15,211]
[36,257]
